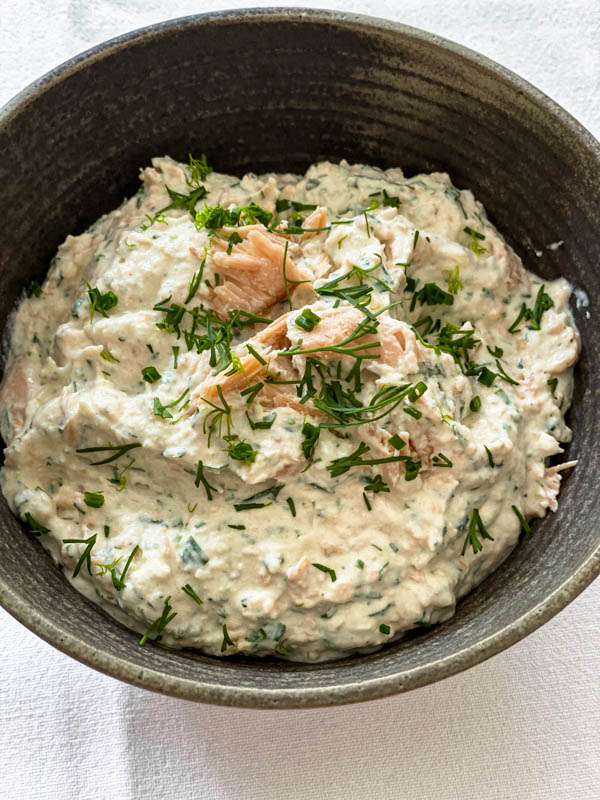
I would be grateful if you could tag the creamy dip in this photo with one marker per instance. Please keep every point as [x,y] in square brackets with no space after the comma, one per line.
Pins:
[285,415]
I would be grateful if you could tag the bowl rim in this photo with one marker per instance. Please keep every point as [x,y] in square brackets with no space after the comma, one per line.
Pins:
[368,689]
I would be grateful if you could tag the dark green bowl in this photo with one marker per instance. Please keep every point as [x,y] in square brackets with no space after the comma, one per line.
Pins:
[277,89]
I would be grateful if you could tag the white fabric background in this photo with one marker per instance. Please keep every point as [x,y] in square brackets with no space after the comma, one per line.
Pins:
[523,725]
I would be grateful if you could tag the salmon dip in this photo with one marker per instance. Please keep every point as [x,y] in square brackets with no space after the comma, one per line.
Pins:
[282,415]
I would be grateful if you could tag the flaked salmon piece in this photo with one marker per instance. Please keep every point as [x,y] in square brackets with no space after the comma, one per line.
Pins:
[317,219]
[398,344]
[252,273]
[18,388]
[273,336]
[278,397]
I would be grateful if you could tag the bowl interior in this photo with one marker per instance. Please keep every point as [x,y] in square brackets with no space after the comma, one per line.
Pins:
[278,90]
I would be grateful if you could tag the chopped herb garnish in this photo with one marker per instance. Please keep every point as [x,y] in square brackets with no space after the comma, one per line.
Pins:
[476,525]
[200,479]
[413,412]
[411,469]
[552,383]
[490,457]
[226,640]
[503,376]
[311,435]
[533,316]
[475,404]
[360,563]
[307,320]
[264,424]
[35,527]
[235,238]
[367,503]
[199,169]
[454,281]
[119,580]
[240,450]
[250,506]
[151,374]
[100,302]
[214,419]
[292,506]
[162,409]
[397,442]
[155,629]
[341,465]
[175,356]
[522,520]
[376,485]
[196,279]
[119,450]
[93,499]
[256,354]
[108,356]
[191,593]
[251,391]
[34,289]
[441,461]
[476,237]
[432,295]
[385,629]
[328,570]
[86,556]
[486,376]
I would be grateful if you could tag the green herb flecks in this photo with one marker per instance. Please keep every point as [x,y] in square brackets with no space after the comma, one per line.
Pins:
[151,374]
[34,526]
[86,556]
[533,316]
[522,520]
[239,450]
[307,320]
[191,593]
[476,237]
[162,409]
[227,642]
[328,570]
[311,435]
[201,479]
[93,499]
[100,302]
[155,629]
[118,450]
[475,526]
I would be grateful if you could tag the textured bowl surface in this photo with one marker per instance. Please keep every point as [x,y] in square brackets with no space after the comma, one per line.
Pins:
[276,90]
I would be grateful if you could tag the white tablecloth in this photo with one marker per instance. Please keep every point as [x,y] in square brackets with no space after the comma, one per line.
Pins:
[523,725]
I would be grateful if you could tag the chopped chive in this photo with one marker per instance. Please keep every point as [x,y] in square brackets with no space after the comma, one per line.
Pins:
[328,570]
[191,593]
[93,499]
[490,457]
[151,374]
[226,640]
[522,520]
[292,506]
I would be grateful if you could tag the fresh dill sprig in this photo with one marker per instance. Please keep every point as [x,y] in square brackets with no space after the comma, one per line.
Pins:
[155,629]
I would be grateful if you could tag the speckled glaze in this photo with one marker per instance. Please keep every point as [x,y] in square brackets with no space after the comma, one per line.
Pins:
[306,85]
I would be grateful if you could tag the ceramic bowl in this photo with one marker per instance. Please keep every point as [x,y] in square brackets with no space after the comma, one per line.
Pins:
[278,89]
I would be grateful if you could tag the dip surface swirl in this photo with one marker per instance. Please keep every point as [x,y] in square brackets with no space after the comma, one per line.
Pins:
[283,415]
